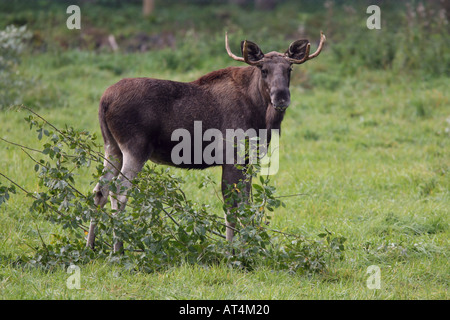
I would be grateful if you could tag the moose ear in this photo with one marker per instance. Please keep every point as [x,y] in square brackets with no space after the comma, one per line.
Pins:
[254,52]
[297,49]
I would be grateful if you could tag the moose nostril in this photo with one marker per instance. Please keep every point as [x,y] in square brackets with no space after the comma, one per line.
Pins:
[280,97]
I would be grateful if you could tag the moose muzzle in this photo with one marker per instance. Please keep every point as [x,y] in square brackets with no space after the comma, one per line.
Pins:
[280,99]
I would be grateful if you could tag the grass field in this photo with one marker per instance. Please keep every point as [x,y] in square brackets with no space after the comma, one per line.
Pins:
[368,150]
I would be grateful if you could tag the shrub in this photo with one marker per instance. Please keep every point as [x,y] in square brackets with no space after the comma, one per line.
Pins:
[160,227]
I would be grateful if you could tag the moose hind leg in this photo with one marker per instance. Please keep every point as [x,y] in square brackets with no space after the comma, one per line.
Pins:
[112,165]
[132,165]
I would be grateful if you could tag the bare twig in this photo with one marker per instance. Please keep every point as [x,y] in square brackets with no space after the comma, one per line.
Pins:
[19,145]
[293,195]
[17,185]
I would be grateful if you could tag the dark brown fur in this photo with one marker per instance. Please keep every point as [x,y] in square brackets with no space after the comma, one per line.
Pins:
[142,113]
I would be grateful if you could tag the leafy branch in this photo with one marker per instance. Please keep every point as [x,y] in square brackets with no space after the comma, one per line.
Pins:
[161,227]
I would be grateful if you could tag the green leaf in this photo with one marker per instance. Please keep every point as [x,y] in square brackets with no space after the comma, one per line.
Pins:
[258,187]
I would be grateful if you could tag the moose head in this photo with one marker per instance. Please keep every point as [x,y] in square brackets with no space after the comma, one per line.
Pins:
[276,67]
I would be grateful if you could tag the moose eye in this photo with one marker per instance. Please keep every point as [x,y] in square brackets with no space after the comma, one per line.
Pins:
[264,72]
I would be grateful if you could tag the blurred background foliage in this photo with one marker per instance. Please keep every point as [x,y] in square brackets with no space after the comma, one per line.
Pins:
[187,35]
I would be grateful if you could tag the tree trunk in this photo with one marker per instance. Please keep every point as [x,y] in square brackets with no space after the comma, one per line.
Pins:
[265,4]
[147,7]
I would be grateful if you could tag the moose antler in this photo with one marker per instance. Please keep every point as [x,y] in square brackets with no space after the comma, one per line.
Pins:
[245,53]
[308,47]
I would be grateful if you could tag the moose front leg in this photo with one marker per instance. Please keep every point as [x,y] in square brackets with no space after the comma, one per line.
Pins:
[233,195]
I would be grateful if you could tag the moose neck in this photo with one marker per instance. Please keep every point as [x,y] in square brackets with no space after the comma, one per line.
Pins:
[260,97]
[244,83]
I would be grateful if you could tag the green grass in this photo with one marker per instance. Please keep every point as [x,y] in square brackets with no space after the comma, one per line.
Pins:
[369,166]
[369,152]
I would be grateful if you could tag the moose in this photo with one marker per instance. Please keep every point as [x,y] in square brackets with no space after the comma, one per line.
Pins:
[138,116]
